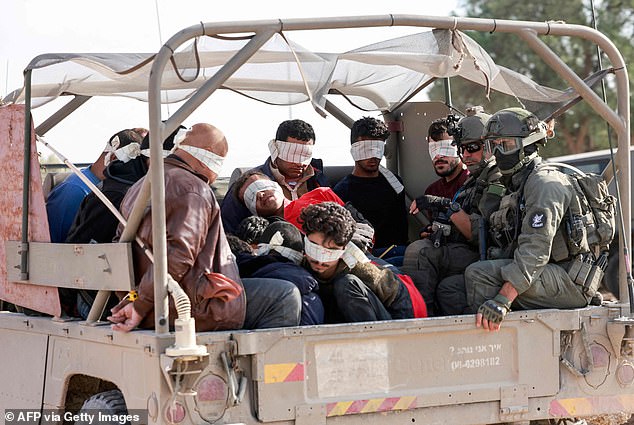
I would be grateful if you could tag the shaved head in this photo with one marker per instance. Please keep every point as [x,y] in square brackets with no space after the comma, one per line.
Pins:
[207,137]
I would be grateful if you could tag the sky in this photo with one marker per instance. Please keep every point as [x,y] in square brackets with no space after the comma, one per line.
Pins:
[33,27]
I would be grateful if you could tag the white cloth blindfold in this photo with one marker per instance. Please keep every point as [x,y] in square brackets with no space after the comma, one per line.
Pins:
[320,253]
[442,148]
[209,159]
[180,136]
[124,154]
[111,147]
[391,179]
[297,153]
[146,152]
[351,255]
[276,244]
[259,185]
[366,149]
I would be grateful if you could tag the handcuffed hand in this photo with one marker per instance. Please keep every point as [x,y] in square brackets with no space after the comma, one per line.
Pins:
[431,202]
[492,312]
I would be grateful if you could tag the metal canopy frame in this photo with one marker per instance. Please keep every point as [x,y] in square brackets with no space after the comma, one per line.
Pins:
[263,30]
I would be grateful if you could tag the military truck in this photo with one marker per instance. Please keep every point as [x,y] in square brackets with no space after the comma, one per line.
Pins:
[542,364]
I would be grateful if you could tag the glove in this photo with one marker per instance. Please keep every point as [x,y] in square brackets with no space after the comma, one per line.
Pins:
[496,309]
[431,202]
[363,236]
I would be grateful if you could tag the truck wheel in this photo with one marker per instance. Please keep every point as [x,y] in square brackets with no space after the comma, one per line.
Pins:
[105,403]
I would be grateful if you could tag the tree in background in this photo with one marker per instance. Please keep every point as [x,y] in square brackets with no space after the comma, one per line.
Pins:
[580,129]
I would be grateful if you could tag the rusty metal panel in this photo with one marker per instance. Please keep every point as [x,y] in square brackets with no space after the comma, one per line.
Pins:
[37,298]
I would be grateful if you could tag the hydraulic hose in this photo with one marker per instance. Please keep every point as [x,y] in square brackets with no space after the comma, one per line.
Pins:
[181,300]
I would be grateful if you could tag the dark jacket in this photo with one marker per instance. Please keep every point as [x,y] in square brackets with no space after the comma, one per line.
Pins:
[385,209]
[233,211]
[94,222]
[276,266]
[382,281]
[196,247]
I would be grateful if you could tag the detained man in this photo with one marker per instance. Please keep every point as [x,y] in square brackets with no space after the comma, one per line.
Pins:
[199,257]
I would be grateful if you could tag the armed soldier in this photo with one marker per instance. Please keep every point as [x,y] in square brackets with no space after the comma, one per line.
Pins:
[431,261]
[536,225]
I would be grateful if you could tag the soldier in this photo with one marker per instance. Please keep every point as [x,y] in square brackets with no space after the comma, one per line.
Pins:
[531,217]
[429,261]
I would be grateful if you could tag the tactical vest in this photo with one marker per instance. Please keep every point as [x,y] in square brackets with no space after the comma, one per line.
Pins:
[590,219]
[475,188]
[505,226]
[588,225]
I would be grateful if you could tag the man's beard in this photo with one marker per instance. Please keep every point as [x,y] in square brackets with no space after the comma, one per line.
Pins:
[447,172]
[369,168]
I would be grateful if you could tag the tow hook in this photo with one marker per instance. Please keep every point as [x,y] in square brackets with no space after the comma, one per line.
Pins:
[237,387]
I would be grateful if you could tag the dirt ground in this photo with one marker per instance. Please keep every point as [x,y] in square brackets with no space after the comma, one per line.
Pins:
[619,419]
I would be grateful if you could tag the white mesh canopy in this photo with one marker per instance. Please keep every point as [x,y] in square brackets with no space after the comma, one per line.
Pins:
[374,77]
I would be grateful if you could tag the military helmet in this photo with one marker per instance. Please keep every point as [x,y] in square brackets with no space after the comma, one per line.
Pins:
[468,136]
[471,128]
[509,135]
[515,122]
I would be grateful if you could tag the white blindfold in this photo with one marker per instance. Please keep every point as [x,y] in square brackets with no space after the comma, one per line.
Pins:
[251,192]
[442,148]
[209,159]
[366,149]
[297,153]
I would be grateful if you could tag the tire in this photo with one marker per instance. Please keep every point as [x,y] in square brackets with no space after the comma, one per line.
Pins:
[108,402]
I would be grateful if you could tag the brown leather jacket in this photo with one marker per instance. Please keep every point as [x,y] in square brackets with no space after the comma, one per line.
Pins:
[196,247]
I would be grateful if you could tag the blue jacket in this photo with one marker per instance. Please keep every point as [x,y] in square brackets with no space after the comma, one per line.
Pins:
[233,211]
[63,203]
[277,267]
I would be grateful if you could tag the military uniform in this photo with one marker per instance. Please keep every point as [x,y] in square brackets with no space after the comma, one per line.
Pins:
[427,265]
[541,196]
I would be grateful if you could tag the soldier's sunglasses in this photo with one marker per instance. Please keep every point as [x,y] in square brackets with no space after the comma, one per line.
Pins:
[472,147]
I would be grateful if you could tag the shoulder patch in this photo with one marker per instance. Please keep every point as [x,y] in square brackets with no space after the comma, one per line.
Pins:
[537,220]
[496,189]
